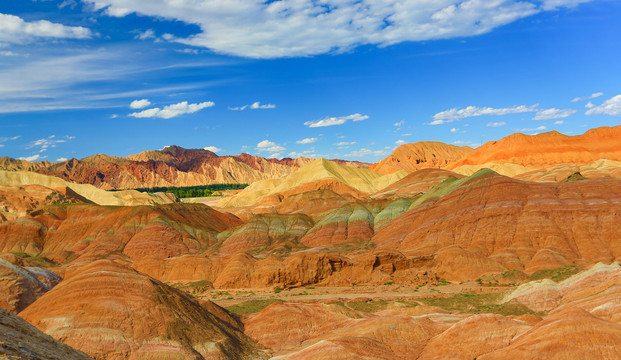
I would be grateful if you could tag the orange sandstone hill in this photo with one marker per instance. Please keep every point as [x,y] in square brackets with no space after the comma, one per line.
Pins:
[110,312]
[545,150]
[421,155]
[171,166]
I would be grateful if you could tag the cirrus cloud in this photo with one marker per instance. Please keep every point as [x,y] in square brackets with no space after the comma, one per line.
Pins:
[286,28]
[331,121]
[549,114]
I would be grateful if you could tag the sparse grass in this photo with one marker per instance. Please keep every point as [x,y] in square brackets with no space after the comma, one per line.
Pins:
[368,306]
[481,303]
[278,290]
[408,304]
[556,274]
[443,283]
[389,283]
[251,306]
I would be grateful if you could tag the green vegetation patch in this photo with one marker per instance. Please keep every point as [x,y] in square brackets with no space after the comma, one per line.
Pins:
[193,191]
[479,304]
[556,274]
[368,306]
[252,306]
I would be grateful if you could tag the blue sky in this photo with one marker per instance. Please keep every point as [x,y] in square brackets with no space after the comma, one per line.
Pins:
[337,79]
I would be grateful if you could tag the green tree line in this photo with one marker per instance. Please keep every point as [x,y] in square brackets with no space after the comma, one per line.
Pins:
[193,191]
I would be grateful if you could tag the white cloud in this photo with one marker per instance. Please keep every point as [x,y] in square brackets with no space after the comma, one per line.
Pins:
[145,35]
[451,115]
[549,114]
[61,159]
[212,149]
[454,130]
[48,142]
[345,143]
[554,4]
[496,124]
[406,134]
[114,116]
[8,53]
[331,121]
[139,104]
[611,106]
[399,124]
[270,146]
[306,141]
[271,29]
[366,152]
[274,156]
[592,96]
[254,106]
[32,158]
[14,29]
[589,105]
[399,142]
[257,105]
[173,110]
[559,122]
[535,129]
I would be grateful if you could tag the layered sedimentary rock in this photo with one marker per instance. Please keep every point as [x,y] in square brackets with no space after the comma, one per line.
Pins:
[110,311]
[351,181]
[20,340]
[545,150]
[75,193]
[421,155]
[516,224]
[19,201]
[86,232]
[171,166]
[21,286]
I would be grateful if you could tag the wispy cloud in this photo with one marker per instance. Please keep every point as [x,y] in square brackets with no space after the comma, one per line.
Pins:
[366,152]
[496,124]
[539,128]
[331,121]
[592,96]
[51,141]
[276,29]
[173,110]
[254,106]
[451,115]
[549,114]
[611,107]
[306,141]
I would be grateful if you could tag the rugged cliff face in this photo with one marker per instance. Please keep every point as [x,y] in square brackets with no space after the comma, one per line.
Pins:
[172,166]
[421,155]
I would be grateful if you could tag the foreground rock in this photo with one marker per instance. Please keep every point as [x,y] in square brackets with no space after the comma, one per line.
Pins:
[110,311]
[20,340]
[21,286]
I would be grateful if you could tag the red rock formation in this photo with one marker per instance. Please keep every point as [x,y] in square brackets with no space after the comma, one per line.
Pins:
[421,155]
[571,334]
[86,232]
[21,286]
[548,149]
[110,311]
[171,166]
[519,225]
[419,181]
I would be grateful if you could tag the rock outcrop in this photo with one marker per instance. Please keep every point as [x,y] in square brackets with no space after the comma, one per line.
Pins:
[112,312]
[421,155]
